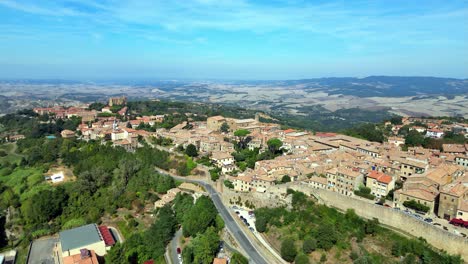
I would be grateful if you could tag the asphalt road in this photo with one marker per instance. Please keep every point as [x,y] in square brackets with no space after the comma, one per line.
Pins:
[175,245]
[231,224]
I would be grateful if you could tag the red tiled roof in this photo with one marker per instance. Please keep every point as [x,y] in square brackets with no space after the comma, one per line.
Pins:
[379,176]
[106,235]
[325,134]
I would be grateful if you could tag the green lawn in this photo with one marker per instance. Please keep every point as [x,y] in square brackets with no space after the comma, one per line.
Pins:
[25,182]
[10,149]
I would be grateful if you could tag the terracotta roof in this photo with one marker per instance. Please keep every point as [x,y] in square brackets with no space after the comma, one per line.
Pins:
[78,259]
[380,176]
[463,206]
[219,261]
[456,148]
[318,179]
[106,235]
[243,178]
[420,194]
[348,172]
[218,155]
[218,118]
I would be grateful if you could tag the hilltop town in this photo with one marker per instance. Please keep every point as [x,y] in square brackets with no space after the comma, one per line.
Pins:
[252,160]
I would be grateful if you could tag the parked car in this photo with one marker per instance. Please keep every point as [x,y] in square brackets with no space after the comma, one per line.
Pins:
[251,229]
[178,251]
[251,212]
[428,220]
[396,208]
[235,207]
[458,222]
[417,216]
[237,212]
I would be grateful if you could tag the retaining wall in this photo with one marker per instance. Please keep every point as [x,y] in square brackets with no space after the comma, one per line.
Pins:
[435,236]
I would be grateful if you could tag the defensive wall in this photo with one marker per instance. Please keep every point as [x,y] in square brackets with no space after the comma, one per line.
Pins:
[435,236]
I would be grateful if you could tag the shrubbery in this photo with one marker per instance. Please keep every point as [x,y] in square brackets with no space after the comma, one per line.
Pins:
[416,206]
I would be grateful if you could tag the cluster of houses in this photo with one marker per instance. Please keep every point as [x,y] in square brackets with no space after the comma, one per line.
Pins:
[433,128]
[339,163]
[61,112]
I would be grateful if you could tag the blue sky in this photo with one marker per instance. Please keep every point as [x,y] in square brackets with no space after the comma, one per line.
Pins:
[232,39]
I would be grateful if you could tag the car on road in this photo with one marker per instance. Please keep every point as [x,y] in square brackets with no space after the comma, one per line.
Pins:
[417,216]
[179,251]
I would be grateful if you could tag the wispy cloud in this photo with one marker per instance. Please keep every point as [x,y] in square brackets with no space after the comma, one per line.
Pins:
[226,29]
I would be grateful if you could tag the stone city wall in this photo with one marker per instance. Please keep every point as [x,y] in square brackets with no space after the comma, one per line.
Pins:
[435,236]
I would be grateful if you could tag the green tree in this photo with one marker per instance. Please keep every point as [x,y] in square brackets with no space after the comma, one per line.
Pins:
[309,245]
[205,246]
[241,135]
[326,236]
[261,224]
[414,138]
[274,144]
[228,184]
[372,226]
[396,120]
[188,255]
[219,223]
[285,179]
[191,150]
[301,259]
[238,258]
[116,254]
[288,250]
[199,217]
[224,127]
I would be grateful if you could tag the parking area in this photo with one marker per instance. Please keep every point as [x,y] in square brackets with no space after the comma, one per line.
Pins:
[247,217]
[437,222]
[42,251]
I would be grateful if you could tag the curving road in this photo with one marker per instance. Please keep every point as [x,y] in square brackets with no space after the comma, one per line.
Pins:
[253,255]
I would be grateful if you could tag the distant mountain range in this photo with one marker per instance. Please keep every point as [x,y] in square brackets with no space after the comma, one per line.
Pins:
[377,86]
[372,86]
